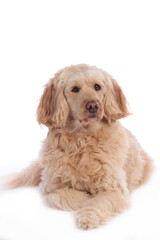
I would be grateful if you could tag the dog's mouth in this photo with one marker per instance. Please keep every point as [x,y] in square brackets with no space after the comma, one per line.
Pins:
[92,115]
[91,118]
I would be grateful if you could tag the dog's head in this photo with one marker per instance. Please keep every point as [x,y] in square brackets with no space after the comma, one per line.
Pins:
[81,93]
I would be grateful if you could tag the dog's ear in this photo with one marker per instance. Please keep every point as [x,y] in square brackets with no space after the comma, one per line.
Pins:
[115,103]
[53,108]
[45,108]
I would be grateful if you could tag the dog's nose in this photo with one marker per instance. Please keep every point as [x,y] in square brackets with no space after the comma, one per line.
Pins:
[92,107]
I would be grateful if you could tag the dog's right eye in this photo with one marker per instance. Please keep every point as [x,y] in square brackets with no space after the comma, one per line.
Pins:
[75,89]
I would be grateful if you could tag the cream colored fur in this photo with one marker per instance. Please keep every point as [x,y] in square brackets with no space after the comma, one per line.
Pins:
[88,165]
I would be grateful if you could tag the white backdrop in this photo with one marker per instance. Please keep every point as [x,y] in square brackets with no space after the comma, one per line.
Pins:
[37,38]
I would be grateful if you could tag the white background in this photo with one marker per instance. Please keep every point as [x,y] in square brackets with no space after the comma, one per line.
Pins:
[37,38]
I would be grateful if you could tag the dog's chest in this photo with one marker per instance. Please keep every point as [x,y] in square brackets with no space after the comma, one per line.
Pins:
[84,166]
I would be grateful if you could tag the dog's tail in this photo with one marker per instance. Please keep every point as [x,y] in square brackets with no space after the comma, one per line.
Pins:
[31,176]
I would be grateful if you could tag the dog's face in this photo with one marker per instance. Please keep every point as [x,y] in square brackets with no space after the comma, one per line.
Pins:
[84,92]
[81,93]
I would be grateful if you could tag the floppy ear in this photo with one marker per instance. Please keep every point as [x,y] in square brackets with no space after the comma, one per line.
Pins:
[53,108]
[115,103]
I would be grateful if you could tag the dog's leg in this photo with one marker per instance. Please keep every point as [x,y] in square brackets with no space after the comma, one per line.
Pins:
[67,199]
[101,208]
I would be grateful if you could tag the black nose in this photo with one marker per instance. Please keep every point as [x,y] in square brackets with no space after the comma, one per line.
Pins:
[92,107]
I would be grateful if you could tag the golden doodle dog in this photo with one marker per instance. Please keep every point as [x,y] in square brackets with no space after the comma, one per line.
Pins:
[89,162]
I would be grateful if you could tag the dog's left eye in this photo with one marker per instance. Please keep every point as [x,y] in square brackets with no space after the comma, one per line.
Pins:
[97,87]
[75,89]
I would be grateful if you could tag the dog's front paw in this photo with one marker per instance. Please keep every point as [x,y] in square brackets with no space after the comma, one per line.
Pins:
[88,217]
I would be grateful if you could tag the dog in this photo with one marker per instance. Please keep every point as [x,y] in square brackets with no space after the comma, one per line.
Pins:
[89,163]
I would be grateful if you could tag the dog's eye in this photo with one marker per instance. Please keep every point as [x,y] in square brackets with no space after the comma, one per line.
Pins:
[75,89]
[97,87]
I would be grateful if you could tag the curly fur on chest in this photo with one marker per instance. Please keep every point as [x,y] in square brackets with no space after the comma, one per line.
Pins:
[80,161]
